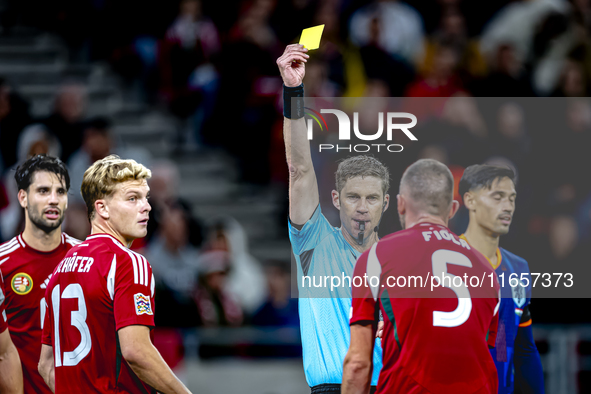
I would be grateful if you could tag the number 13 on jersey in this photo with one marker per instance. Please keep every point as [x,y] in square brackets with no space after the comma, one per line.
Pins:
[78,320]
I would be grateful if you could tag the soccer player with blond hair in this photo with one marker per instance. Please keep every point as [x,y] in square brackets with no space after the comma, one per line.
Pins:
[96,337]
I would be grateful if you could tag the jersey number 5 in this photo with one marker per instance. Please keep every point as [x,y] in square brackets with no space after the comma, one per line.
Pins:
[73,290]
[440,259]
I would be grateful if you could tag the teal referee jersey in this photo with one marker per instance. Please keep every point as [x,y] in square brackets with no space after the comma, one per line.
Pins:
[321,250]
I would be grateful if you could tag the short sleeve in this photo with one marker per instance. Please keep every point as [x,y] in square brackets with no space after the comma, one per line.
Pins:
[310,235]
[3,322]
[47,335]
[133,298]
[364,306]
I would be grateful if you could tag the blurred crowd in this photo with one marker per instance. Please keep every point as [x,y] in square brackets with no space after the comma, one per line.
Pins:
[206,276]
[212,65]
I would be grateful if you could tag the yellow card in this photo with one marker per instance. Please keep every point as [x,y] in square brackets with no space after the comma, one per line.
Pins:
[311,37]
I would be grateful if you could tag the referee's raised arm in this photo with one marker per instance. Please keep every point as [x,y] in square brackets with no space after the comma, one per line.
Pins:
[303,187]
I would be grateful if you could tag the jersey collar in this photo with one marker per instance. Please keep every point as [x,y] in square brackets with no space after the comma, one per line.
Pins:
[104,235]
[25,245]
[498,253]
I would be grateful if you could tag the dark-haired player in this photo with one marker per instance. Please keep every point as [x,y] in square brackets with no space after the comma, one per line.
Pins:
[489,195]
[433,341]
[27,260]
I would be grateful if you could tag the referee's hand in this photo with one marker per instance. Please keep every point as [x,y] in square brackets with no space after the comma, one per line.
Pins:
[292,65]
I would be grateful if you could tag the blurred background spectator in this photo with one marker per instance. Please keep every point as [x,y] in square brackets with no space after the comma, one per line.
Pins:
[65,122]
[175,266]
[245,277]
[279,309]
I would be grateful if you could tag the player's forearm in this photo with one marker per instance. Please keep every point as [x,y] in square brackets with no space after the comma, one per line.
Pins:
[149,366]
[47,366]
[356,376]
[11,376]
[48,376]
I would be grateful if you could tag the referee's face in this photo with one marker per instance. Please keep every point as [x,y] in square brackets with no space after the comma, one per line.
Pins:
[360,204]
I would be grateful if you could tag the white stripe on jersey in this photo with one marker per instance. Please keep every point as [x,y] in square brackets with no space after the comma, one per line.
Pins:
[140,265]
[12,249]
[152,286]
[111,277]
[498,304]
[71,240]
[145,263]
[8,245]
[20,239]
[136,259]
[374,268]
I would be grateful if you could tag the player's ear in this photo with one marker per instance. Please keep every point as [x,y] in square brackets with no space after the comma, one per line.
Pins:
[455,205]
[335,199]
[386,202]
[22,198]
[469,200]
[101,209]
[401,204]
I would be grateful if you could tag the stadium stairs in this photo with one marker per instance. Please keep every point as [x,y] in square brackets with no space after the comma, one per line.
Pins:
[36,63]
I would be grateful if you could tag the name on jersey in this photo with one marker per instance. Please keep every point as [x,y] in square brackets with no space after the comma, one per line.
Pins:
[75,263]
[444,235]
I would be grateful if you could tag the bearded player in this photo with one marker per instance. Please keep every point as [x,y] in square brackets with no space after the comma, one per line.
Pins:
[96,337]
[489,195]
[27,260]
[433,341]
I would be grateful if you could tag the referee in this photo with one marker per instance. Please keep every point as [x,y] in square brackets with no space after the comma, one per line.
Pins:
[320,249]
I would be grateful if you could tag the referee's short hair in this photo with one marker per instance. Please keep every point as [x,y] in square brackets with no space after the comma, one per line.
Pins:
[362,165]
[480,176]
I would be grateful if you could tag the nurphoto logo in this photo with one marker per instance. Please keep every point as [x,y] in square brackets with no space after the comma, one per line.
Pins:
[345,130]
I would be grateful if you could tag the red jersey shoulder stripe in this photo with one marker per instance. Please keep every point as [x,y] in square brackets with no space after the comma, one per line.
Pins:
[71,240]
[111,277]
[139,262]
[8,244]
[11,248]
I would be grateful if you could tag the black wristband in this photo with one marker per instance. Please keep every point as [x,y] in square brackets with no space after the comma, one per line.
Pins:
[297,94]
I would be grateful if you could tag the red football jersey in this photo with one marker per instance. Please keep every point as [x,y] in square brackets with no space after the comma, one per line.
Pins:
[99,287]
[434,341]
[3,325]
[25,274]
